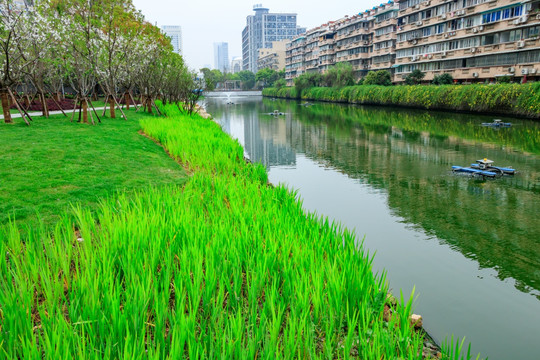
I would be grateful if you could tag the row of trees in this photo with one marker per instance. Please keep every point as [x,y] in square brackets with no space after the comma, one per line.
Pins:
[342,74]
[87,44]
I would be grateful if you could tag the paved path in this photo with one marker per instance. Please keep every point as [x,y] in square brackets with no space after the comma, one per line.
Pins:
[38,114]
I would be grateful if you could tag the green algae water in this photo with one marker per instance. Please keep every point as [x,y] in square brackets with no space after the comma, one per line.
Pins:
[469,247]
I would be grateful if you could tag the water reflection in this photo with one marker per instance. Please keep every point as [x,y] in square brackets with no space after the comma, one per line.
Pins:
[408,154]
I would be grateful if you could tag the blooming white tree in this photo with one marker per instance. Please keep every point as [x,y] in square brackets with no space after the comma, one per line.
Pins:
[87,43]
[133,48]
[81,45]
[116,19]
[13,38]
[42,33]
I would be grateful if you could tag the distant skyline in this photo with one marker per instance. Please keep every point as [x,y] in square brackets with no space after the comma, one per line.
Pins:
[207,22]
[221,56]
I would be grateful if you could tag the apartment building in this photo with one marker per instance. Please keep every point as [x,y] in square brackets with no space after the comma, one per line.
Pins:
[294,59]
[350,39]
[274,57]
[354,42]
[473,40]
[384,37]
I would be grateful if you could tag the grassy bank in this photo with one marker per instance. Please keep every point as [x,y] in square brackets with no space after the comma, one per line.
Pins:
[222,267]
[54,163]
[510,99]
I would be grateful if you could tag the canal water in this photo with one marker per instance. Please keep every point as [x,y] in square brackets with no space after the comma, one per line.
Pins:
[469,248]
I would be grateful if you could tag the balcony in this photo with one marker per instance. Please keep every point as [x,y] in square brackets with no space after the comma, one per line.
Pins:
[327,62]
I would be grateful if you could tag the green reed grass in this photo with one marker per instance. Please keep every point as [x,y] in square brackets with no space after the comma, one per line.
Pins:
[223,267]
[512,99]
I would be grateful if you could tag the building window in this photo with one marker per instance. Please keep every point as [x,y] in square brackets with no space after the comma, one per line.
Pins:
[502,14]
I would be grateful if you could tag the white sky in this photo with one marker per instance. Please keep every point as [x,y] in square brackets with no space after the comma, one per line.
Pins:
[207,21]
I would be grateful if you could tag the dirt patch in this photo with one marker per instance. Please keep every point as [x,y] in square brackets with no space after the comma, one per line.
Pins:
[65,104]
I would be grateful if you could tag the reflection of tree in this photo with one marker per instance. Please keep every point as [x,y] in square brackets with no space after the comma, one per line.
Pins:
[493,222]
[525,136]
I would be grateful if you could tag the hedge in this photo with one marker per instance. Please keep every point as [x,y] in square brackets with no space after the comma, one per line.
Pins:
[511,99]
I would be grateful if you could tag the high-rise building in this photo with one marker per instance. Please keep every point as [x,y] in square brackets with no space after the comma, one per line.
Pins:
[175,33]
[262,29]
[221,56]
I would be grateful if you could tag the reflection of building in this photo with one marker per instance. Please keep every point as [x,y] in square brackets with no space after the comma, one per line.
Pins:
[175,33]
[221,56]
[236,64]
[267,147]
[274,57]
[262,29]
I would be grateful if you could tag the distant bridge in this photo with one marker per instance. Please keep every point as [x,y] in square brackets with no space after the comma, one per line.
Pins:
[232,94]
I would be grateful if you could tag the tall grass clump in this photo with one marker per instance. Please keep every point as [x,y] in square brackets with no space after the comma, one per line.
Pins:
[511,99]
[223,267]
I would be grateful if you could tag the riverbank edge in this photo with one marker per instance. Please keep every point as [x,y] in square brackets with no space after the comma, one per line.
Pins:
[431,347]
[514,100]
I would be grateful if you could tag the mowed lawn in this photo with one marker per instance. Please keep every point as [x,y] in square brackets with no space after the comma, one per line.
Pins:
[46,167]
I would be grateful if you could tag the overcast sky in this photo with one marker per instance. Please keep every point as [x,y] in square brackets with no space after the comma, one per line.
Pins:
[207,21]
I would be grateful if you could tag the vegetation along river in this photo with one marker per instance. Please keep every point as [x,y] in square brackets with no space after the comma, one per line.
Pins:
[469,247]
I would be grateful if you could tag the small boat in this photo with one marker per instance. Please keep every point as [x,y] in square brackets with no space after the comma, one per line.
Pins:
[485,168]
[497,123]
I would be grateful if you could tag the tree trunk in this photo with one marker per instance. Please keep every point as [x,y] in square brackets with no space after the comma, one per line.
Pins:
[149,105]
[85,112]
[44,104]
[57,96]
[111,103]
[5,107]
[126,99]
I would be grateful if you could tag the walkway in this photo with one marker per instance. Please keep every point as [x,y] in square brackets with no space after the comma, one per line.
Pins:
[38,113]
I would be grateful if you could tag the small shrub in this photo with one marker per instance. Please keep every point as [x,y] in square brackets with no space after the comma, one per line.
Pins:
[415,77]
[443,79]
[381,77]
[504,79]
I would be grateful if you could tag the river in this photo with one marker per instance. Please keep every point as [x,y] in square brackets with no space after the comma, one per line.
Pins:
[470,248]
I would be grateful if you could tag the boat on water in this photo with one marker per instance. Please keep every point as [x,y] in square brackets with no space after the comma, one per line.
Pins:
[497,123]
[485,168]
[276,113]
